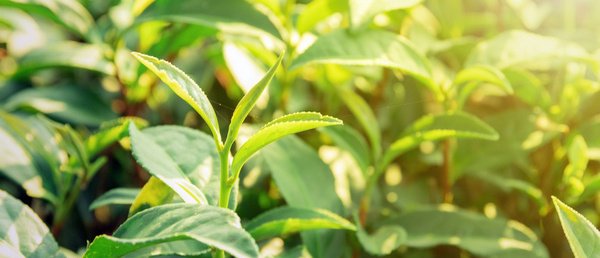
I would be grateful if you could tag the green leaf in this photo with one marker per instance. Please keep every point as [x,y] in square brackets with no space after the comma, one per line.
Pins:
[317,11]
[471,77]
[185,88]
[352,141]
[285,220]
[204,224]
[473,232]
[66,54]
[385,239]
[154,193]
[110,132]
[305,181]
[365,116]
[67,103]
[223,15]
[578,161]
[115,196]
[437,127]
[278,128]
[247,103]
[69,13]
[369,47]
[525,49]
[162,162]
[363,11]
[22,232]
[582,235]
[529,88]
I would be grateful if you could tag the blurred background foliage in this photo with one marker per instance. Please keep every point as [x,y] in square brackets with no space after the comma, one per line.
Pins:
[521,77]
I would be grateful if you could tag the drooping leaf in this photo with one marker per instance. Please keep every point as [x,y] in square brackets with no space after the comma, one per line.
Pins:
[365,116]
[305,181]
[22,232]
[437,127]
[247,103]
[368,47]
[278,128]
[285,220]
[115,196]
[525,49]
[583,237]
[471,77]
[153,154]
[204,224]
[508,184]
[317,11]
[223,15]
[352,141]
[383,241]
[529,88]
[67,103]
[69,13]
[66,54]
[363,11]
[473,232]
[185,88]
[154,193]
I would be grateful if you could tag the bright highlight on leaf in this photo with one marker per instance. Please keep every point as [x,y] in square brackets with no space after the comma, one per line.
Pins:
[583,237]
[280,127]
[185,88]
[286,220]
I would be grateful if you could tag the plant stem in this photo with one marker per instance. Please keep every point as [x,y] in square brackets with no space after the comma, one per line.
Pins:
[445,177]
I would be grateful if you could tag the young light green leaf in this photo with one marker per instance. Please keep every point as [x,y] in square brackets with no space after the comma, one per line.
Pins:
[475,233]
[385,239]
[352,141]
[247,103]
[305,181]
[365,116]
[154,193]
[437,127]
[66,54]
[578,161]
[161,163]
[468,79]
[285,220]
[520,48]
[223,15]
[22,232]
[317,11]
[110,132]
[204,224]
[116,196]
[68,103]
[278,128]
[370,47]
[69,13]
[582,235]
[528,88]
[363,11]
[185,88]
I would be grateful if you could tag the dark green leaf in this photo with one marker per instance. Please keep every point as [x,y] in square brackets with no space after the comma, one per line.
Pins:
[185,88]
[22,232]
[116,196]
[582,235]
[65,103]
[473,232]
[223,15]
[204,224]
[287,220]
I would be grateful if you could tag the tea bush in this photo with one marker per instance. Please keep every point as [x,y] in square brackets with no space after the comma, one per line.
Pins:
[444,128]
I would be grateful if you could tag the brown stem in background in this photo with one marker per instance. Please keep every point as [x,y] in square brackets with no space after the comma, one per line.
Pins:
[445,177]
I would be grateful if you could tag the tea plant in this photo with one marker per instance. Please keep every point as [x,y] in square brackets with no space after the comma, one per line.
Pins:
[461,119]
